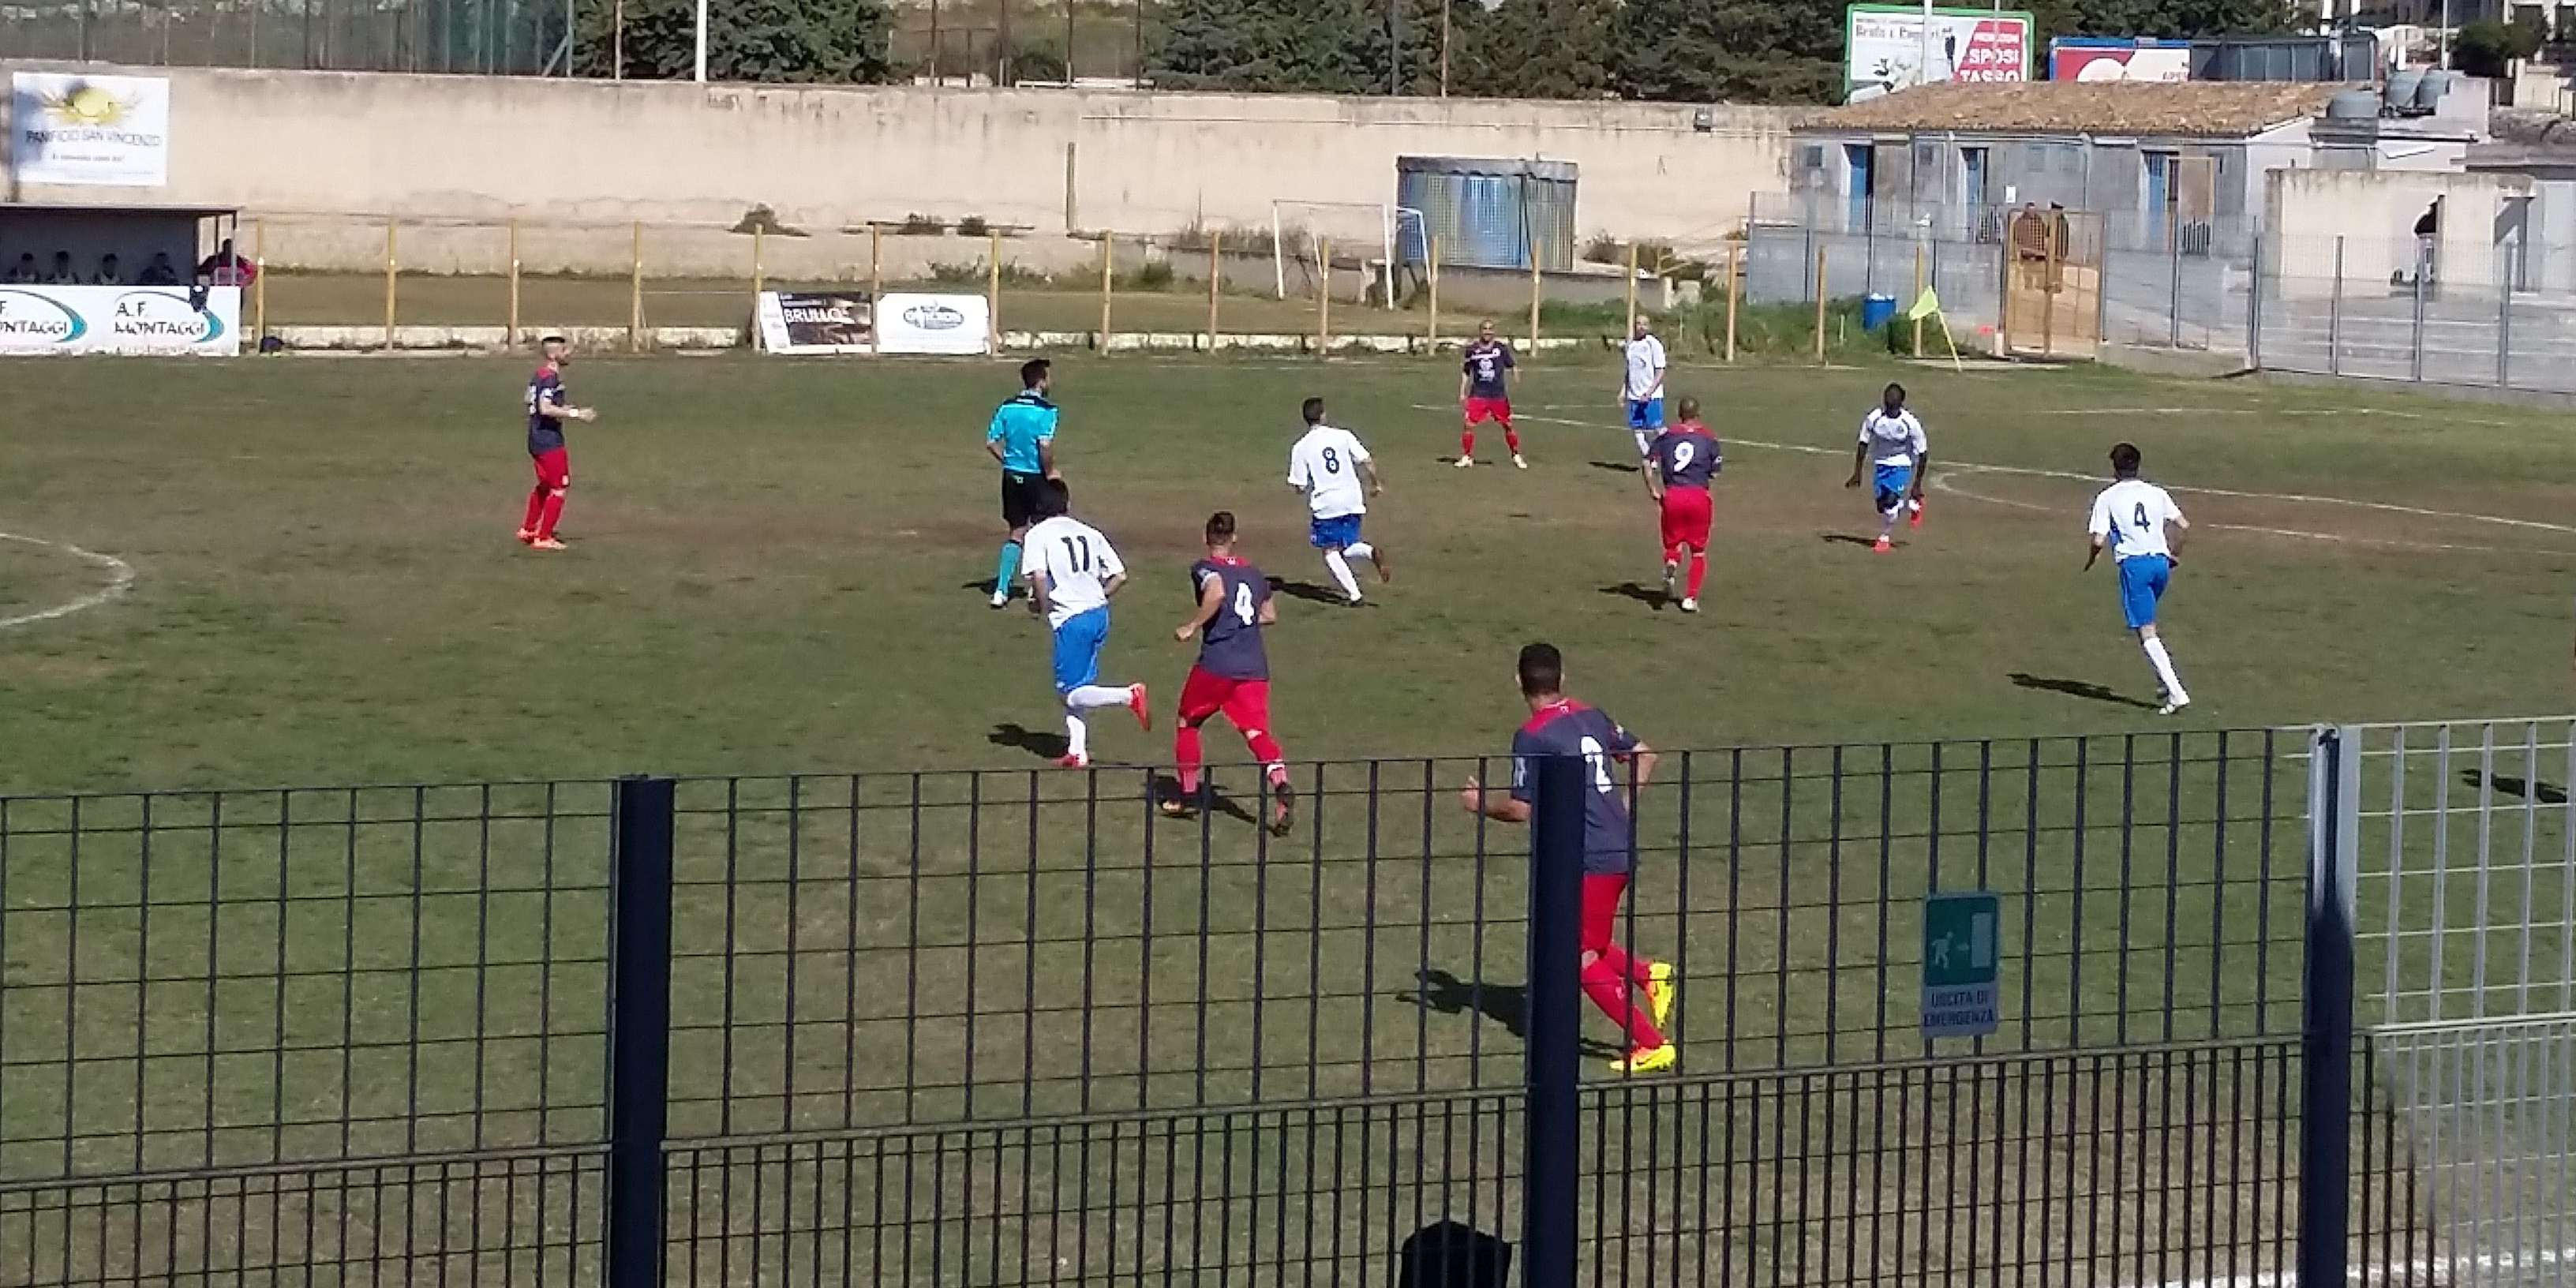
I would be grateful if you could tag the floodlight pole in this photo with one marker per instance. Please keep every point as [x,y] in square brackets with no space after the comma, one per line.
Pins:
[702,42]
[1922,52]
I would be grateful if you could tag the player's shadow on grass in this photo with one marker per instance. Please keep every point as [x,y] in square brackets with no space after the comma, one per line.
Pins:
[2085,689]
[1617,467]
[1650,596]
[1168,788]
[1504,1004]
[981,585]
[2543,792]
[1048,746]
[1847,539]
[1308,591]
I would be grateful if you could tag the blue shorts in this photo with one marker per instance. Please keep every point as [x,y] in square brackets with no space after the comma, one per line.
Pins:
[1334,533]
[1077,648]
[2142,582]
[1892,482]
[1645,413]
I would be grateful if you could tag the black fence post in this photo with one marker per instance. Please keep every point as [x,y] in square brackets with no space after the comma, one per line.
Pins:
[639,1027]
[1555,1023]
[2325,1129]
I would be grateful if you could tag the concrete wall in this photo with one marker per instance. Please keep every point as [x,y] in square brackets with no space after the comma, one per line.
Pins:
[2374,211]
[350,148]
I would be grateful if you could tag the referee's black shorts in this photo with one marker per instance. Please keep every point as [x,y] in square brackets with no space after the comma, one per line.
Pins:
[1020,493]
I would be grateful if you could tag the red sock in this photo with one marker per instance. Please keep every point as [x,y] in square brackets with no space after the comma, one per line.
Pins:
[1185,753]
[1698,571]
[1466,442]
[1634,968]
[536,505]
[1609,991]
[1265,748]
[552,514]
[1511,438]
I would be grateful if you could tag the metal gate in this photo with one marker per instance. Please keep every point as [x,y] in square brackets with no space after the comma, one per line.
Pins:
[2052,292]
[2465,965]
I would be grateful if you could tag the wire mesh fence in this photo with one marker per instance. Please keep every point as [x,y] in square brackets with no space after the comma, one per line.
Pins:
[1010,1026]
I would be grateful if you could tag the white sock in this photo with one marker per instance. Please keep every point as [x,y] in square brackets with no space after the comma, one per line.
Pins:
[1077,735]
[1084,697]
[1341,570]
[1645,442]
[1359,550]
[2163,662]
[1887,523]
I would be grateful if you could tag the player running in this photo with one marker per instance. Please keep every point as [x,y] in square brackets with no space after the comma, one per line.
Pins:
[1484,394]
[1560,726]
[1328,465]
[1685,458]
[1893,446]
[548,409]
[1641,387]
[1022,438]
[1233,671]
[1073,574]
[2130,516]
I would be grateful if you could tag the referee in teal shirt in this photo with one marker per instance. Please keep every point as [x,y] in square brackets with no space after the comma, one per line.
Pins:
[1022,438]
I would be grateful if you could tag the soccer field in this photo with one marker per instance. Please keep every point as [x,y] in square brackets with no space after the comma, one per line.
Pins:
[778,566]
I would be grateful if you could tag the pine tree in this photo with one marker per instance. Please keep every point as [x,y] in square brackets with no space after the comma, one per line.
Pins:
[838,41]
[1738,51]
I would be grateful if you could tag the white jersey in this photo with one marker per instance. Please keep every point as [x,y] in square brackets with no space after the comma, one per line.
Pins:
[1326,464]
[1892,440]
[1645,369]
[1077,563]
[2131,516]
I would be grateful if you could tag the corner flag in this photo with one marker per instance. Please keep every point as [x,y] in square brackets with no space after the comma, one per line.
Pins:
[1926,305]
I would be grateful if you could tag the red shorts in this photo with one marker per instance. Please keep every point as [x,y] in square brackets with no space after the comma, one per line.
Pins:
[1493,409]
[554,468]
[1602,892]
[1246,703]
[1686,519]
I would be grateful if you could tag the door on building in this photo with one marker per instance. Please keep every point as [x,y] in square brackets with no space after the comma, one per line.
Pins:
[1856,157]
[1972,180]
[2155,211]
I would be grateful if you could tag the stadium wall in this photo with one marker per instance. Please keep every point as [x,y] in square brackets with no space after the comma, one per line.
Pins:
[330,150]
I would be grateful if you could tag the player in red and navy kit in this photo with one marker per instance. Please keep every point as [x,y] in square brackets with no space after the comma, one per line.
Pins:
[1484,393]
[1561,726]
[547,411]
[1684,459]
[1233,672]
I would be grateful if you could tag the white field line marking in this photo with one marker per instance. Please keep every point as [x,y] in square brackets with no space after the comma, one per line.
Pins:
[1943,482]
[2027,472]
[2417,1271]
[120,579]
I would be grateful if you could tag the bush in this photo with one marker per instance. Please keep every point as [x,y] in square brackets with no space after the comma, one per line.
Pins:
[2487,47]
[921,225]
[957,274]
[1604,249]
[973,226]
[1153,275]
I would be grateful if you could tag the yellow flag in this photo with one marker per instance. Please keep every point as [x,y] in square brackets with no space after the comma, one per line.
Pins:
[1928,305]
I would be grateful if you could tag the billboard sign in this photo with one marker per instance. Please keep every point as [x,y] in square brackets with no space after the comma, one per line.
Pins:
[120,319]
[76,129]
[1885,47]
[816,322]
[2118,60]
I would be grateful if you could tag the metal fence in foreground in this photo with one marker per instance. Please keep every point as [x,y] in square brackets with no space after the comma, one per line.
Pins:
[1015,1027]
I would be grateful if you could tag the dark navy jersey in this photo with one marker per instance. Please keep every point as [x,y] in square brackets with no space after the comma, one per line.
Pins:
[1569,728]
[545,433]
[1486,362]
[1230,643]
[1686,455]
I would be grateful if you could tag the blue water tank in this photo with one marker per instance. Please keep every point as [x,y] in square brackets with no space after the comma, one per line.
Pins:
[1876,311]
[1488,213]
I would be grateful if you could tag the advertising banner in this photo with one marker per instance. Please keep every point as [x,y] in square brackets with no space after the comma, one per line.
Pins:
[2118,60]
[1885,49]
[816,322]
[120,319]
[103,130]
[954,324]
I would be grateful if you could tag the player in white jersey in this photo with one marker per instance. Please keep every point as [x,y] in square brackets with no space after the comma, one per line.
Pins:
[1330,466]
[1641,387]
[2131,517]
[1073,573]
[1892,445]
